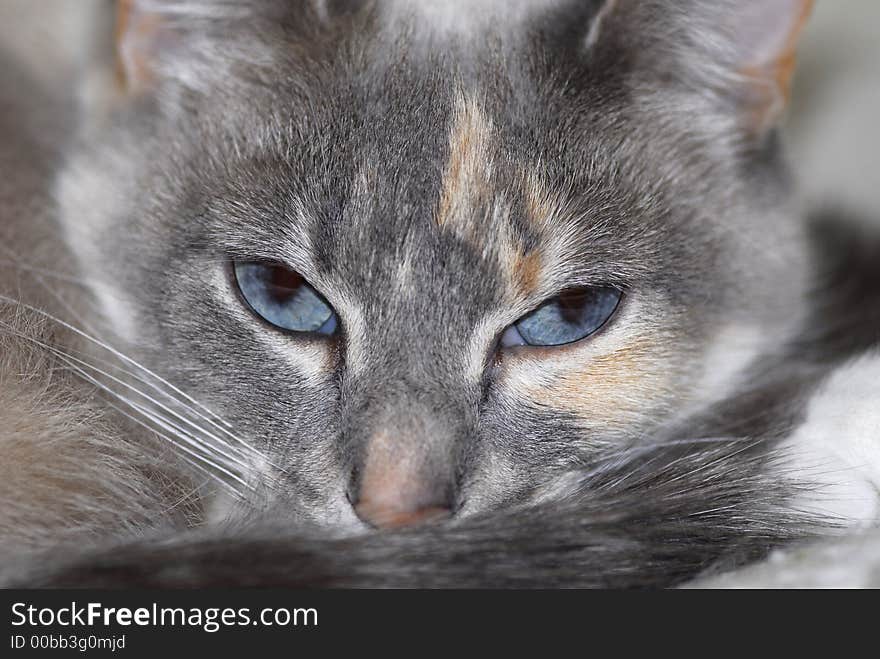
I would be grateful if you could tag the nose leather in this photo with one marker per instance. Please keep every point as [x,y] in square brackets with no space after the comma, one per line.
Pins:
[382,517]
[400,485]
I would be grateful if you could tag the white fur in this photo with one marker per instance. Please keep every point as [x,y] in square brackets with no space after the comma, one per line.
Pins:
[734,348]
[852,561]
[447,18]
[838,445]
[352,317]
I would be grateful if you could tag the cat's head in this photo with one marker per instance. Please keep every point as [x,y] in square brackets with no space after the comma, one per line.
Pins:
[425,256]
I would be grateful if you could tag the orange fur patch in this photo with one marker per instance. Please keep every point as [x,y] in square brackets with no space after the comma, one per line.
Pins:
[468,176]
[527,272]
[617,390]
[773,78]
[134,30]
[541,205]
[784,66]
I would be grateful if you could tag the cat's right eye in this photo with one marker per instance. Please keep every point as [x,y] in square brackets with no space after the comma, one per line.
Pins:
[284,298]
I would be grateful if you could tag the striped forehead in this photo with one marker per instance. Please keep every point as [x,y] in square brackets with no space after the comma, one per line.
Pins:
[493,202]
[471,217]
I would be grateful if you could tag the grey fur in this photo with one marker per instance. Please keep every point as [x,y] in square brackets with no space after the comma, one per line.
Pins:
[321,139]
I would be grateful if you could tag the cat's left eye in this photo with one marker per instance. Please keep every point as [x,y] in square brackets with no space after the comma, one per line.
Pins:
[572,316]
[283,298]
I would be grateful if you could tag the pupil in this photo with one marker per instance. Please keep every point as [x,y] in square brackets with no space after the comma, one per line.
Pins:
[283,283]
[571,305]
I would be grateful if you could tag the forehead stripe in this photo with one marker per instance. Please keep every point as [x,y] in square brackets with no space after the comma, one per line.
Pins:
[467,179]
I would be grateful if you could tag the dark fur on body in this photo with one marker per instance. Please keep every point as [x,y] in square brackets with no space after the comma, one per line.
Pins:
[417,186]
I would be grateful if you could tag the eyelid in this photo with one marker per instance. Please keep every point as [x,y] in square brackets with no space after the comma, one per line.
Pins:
[233,254]
[513,338]
[309,276]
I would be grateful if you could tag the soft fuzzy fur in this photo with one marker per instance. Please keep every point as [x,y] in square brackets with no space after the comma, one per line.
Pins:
[69,473]
[665,449]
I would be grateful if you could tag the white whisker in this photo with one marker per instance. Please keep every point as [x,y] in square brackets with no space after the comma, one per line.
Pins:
[114,352]
[228,455]
[177,433]
[187,451]
[224,430]
[68,357]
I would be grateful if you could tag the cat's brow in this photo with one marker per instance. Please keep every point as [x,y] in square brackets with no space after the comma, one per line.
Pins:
[282,236]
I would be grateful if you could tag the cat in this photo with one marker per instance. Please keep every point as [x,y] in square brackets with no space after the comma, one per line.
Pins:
[387,293]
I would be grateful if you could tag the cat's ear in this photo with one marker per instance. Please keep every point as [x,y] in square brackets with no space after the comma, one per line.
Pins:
[763,36]
[598,12]
[141,33]
[171,40]
[742,49]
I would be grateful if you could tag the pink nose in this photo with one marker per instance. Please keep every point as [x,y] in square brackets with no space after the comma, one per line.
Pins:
[382,517]
[398,486]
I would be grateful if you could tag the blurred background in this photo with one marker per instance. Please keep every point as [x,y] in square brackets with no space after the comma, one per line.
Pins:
[834,124]
[833,129]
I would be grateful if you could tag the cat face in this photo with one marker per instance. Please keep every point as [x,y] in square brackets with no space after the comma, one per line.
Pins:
[427,190]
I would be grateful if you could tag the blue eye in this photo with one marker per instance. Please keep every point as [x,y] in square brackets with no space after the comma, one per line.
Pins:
[570,317]
[283,298]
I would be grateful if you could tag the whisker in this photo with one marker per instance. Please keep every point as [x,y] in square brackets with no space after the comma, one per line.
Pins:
[158,418]
[68,356]
[150,415]
[61,301]
[225,430]
[53,274]
[215,478]
[170,439]
[186,408]
[191,439]
[118,354]
[162,407]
